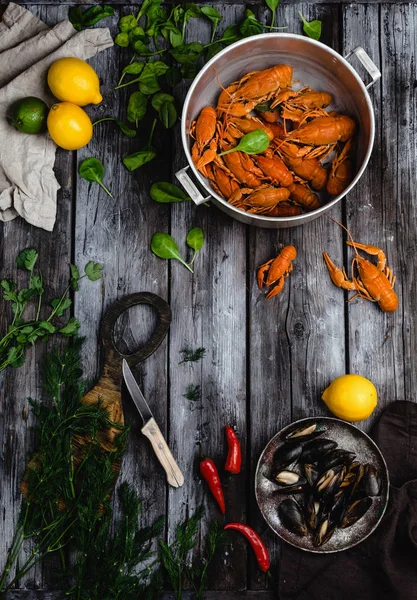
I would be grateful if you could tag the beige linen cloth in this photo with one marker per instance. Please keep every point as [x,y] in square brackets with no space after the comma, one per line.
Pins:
[27,49]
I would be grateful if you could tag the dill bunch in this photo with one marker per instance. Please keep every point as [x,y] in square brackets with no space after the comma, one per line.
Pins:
[67,488]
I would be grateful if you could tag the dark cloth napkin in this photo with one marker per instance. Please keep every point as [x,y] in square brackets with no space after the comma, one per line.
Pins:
[384,566]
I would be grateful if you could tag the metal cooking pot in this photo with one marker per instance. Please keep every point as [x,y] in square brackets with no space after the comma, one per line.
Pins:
[315,65]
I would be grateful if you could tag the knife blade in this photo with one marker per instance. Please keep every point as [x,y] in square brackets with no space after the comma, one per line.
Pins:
[152,431]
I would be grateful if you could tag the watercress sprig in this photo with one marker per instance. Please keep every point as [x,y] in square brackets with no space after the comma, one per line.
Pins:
[22,333]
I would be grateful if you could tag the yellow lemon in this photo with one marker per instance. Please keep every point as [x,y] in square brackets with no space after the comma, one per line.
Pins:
[69,126]
[73,80]
[351,397]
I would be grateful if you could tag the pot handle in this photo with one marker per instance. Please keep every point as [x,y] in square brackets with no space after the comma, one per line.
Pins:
[189,186]
[369,65]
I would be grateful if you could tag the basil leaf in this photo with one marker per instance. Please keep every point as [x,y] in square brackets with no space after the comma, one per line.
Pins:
[122,40]
[138,159]
[231,34]
[136,107]
[213,50]
[27,259]
[165,193]
[134,68]
[160,98]
[91,169]
[250,25]
[94,14]
[168,114]
[173,76]
[187,53]
[127,23]
[312,29]
[255,142]
[93,271]
[195,238]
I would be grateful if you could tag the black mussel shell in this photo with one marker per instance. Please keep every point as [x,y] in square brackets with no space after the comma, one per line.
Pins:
[337,457]
[324,531]
[371,481]
[355,511]
[316,449]
[307,432]
[285,455]
[312,508]
[329,479]
[337,511]
[357,485]
[351,475]
[289,478]
[311,473]
[292,517]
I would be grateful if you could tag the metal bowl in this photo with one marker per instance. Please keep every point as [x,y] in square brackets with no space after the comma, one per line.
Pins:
[315,65]
[349,438]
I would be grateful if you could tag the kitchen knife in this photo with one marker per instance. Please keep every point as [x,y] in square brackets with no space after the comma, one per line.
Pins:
[152,431]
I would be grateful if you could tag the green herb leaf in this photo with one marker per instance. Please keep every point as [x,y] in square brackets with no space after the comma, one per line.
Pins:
[36,284]
[168,114]
[213,50]
[138,159]
[195,238]
[173,76]
[190,355]
[215,17]
[231,34]
[127,23]
[75,17]
[311,28]
[125,129]
[264,107]
[165,192]
[272,5]
[255,142]
[61,305]
[188,70]
[91,169]
[94,14]
[187,53]
[27,259]
[250,25]
[122,40]
[148,83]
[136,108]
[46,326]
[9,293]
[134,68]
[160,98]
[70,328]
[93,271]
[164,246]
[75,277]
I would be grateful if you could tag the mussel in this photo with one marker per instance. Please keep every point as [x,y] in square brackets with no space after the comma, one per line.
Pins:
[315,450]
[292,517]
[305,433]
[328,482]
[312,508]
[337,457]
[337,511]
[311,473]
[289,482]
[371,481]
[324,531]
[355,511]
[285,455]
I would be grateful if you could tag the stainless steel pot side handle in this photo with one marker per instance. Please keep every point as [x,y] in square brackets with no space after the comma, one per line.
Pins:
[187,183]
[369,65]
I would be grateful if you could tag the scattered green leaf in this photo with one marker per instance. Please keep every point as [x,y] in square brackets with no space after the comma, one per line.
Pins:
[91,169]
[164,246]
[195,240]
[311,28]
[89,17]
[70,328]
[140,158]
[136,107]
[27,259]
[193,393]
[215,17]
[272,5]
[93,271]
[122,126]
[190,355]
[250,25]
[165,192]
[187,53]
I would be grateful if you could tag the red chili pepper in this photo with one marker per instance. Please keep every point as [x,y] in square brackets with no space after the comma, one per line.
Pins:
[210,473]
[234,456]
[257,544]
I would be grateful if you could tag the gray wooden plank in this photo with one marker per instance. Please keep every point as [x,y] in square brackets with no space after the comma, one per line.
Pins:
[117,232]
[296,341]
[373,213]
[209,310]
[17,385]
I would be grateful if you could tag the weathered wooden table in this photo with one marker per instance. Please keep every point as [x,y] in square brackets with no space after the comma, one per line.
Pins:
[267,362]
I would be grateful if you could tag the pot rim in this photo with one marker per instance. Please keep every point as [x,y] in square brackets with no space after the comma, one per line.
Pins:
[260,219]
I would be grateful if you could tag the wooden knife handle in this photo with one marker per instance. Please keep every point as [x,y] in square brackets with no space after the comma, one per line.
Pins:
[163,453]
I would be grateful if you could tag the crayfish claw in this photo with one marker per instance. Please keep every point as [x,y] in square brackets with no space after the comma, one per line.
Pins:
[337,276]
[277,289]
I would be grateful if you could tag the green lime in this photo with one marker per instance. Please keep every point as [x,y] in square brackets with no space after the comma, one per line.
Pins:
[29,115]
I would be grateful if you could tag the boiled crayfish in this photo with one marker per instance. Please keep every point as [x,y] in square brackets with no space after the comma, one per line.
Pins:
[276,270]
[374,283]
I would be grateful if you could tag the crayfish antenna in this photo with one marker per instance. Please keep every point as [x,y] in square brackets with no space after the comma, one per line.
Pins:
[348,232]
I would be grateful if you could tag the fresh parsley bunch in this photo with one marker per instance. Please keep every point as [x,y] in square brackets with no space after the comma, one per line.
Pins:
[22,333]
